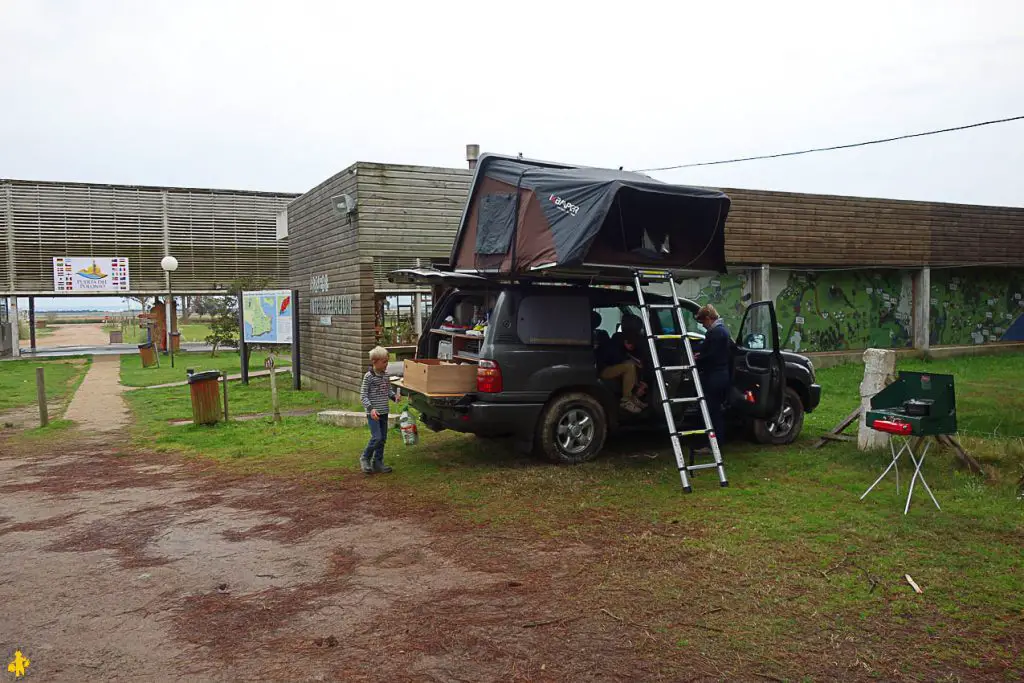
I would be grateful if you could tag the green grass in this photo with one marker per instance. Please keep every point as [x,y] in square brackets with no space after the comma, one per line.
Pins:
[155,407]
[795,557]
[24,332]
[989,393]
[134,375]
[18,380]
[190,332]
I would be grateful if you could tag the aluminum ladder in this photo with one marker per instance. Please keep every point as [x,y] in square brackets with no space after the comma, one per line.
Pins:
[640,277]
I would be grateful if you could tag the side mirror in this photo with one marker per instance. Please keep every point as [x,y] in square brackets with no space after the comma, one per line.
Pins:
[755,342]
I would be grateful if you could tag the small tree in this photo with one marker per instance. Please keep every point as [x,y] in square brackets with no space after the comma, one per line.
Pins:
[224,326]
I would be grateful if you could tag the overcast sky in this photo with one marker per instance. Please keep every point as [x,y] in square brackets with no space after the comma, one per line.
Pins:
[280,95]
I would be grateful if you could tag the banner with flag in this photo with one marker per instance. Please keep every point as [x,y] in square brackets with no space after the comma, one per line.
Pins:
[73,274]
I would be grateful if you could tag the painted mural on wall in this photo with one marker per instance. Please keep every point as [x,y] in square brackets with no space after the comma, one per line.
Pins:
[843,310]
[728,293]
[976,306]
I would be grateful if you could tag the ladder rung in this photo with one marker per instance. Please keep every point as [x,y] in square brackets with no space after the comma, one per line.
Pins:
[689,399]
[667,336]
[648,274]
[661,305]
[693,432]
[671,368]
[702,466]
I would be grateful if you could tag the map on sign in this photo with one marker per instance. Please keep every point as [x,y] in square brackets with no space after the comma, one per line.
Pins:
[267,317]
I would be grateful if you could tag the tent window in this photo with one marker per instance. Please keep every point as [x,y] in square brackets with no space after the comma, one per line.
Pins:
[494,224]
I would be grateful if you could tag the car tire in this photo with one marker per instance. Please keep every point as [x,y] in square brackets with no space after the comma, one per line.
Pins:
[572,430]
[786,427]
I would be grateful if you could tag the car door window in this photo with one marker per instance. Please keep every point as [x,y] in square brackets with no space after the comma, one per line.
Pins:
[667,321]
[757,333]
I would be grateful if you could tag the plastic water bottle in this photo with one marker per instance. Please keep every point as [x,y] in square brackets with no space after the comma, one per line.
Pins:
[410,436]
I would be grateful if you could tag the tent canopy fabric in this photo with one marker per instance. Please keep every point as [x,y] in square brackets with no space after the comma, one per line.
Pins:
[527,216]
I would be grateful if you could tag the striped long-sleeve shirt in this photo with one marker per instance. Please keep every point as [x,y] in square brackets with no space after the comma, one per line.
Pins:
[376,391]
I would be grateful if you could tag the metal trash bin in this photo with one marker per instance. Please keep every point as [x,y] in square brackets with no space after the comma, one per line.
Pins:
[147,352]
[205,390]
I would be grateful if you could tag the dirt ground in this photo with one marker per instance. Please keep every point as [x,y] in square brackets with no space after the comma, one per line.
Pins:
[85,334]
[139,567]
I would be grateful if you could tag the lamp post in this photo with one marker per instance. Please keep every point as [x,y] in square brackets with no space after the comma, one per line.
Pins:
[169,264]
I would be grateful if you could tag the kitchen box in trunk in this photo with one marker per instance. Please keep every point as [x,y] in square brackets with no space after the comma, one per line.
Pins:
[431,376]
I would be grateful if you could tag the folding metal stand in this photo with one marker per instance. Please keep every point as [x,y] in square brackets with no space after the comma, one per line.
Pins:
[908,448]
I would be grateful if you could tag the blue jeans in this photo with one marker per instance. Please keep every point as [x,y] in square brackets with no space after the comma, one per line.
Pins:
[378,438]
[716,390]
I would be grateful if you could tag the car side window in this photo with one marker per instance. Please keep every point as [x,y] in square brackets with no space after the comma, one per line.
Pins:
[555,320]
[611,316]
[667,321]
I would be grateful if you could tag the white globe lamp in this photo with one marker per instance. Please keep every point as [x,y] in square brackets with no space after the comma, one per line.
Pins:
[169,265]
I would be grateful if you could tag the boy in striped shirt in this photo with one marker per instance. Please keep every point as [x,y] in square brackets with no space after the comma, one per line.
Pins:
[375,393]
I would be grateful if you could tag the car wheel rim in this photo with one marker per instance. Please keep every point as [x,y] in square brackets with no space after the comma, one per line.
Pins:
[575,431]
[783,424]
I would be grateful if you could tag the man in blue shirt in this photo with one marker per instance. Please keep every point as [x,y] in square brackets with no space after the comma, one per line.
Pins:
[713,364]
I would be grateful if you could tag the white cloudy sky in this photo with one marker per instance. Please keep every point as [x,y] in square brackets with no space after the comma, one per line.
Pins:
[279,95]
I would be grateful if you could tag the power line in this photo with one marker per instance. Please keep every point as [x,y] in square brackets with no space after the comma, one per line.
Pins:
[834,147]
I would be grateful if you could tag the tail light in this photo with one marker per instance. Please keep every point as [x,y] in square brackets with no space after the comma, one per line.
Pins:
[488,377]
[892,426]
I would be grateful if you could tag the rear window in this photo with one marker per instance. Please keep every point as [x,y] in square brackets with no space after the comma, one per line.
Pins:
[554,320]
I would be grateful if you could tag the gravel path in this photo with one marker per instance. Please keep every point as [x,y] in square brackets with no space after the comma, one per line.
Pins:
[97,404]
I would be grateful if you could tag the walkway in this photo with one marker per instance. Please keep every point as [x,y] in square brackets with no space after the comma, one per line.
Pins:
[101,350]
[97,404]
[253,374]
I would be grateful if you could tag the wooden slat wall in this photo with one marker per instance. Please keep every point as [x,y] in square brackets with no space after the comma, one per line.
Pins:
[6,273]
[325,242]
[410,211]
[217,235]
[403,207]
[783,228]
[239,229]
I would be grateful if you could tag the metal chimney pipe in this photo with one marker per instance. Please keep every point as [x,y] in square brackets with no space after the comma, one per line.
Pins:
[472,154]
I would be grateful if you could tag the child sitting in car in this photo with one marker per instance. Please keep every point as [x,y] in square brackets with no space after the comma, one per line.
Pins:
[619,359]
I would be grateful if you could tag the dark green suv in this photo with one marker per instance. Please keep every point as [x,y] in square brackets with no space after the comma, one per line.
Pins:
[537,377]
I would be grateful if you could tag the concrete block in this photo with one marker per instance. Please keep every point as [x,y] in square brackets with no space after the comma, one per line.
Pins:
[879,367]
[342,418]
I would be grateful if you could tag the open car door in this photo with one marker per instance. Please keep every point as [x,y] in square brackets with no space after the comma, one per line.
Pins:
[758,381]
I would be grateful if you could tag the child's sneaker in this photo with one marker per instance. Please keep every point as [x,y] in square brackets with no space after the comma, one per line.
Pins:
[380,467]
[365,465]
[629,405]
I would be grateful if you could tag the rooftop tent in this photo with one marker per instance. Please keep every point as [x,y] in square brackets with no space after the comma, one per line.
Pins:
[527,216]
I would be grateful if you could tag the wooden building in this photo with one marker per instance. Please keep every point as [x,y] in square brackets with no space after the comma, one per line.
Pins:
[347,233]
[345,236]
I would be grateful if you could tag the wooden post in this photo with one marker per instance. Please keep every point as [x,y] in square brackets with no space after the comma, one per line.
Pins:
[243,348]
[44,418]
[273,390]
[296,355]
[31,322]
[224,377]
